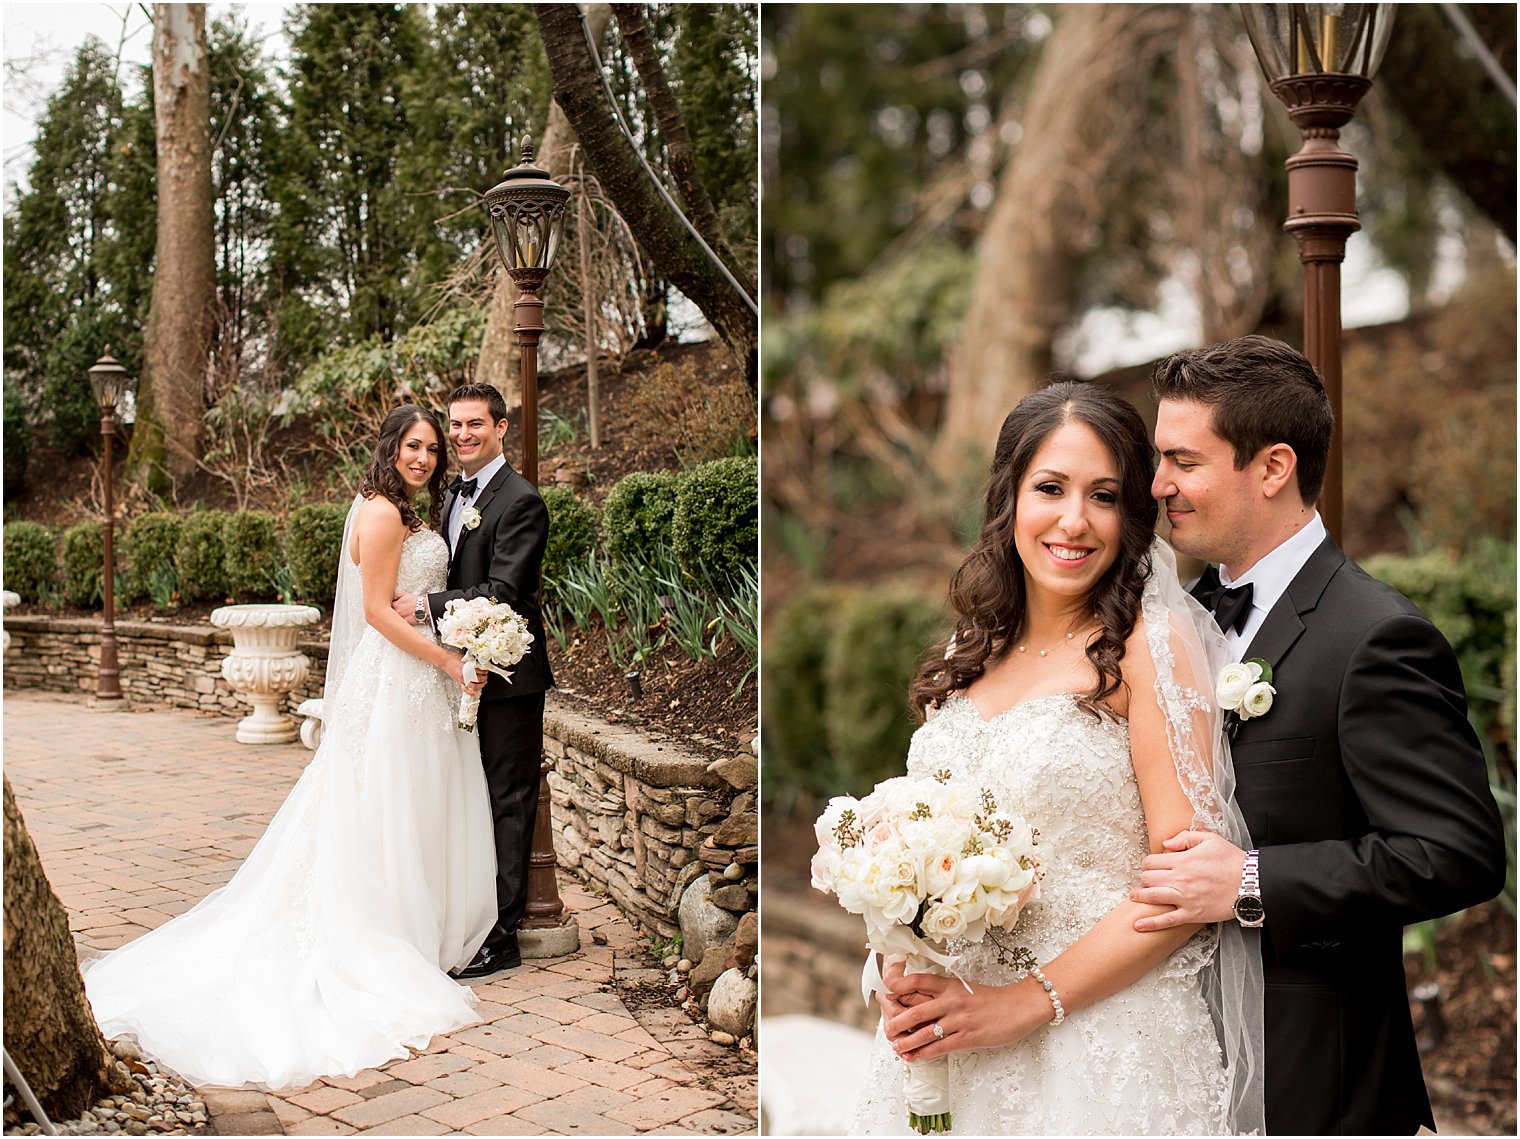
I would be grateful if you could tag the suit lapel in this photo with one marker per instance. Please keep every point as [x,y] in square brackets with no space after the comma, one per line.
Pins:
[482,498]
[1284,624]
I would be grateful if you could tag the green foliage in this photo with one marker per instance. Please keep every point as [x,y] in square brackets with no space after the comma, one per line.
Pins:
[82,557]
[637,518]
[251,552]
[148,549]
[715,529]
[199,559]
[873,652]
[31,560]
[1472,602]
[313,541]
[739,618]
[794,732]
[573,525]
[17,446]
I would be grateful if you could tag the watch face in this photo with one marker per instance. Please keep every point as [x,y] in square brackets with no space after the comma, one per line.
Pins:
[1249,910]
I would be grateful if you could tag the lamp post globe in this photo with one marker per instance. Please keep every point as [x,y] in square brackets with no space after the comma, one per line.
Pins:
[108,382]
[1319,60]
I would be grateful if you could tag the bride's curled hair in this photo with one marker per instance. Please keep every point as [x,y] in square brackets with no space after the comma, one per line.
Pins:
[987,594]
[382,478]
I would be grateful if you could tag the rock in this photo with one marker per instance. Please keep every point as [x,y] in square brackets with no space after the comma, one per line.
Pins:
[733,872]
[670,962]
[722,1038]
[135,1127]
[713,963]
[735,898]
[740,771]
[702,922]
[731,1004]
[746,944]
[134,1111]
[737,830]
[683,966]
[125,1050]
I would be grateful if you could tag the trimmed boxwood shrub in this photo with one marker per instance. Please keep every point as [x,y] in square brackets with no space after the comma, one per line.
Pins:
[794,733]
[878,641]
[198,559]
[573,526]
[716,529]
[148,548]
[251,553]
[313,537]
[83,560]
[31,560]
[638,515]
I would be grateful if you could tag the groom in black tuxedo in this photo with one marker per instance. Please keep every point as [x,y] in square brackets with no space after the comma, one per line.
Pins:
[496,525]
[1363,784]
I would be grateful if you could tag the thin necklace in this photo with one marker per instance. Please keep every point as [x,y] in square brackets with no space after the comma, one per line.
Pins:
[1047,651]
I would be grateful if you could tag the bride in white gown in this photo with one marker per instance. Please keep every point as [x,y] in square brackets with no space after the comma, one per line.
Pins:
[1079,688]
[327,952]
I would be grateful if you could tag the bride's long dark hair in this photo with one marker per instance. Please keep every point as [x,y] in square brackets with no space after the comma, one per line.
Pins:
[382,478]
[987,594]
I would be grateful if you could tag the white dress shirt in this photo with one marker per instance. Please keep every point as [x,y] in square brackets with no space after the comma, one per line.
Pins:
[1270,577]
[455,521]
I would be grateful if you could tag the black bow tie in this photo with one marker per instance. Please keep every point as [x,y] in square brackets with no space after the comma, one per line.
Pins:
[1231,605]
[463,487]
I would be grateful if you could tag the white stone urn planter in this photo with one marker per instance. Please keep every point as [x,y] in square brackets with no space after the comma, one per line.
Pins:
[264,664]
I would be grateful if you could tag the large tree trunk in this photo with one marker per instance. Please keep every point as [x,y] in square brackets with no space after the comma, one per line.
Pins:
[665,241]
[1085,107]
[667,112]
[49,1030]
[497,363]
[171,402]
[1456,110]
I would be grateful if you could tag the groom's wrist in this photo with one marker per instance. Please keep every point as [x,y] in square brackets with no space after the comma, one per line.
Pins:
[420,613]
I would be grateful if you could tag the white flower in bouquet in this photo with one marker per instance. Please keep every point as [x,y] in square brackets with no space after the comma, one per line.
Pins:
[493,636]
[924,861]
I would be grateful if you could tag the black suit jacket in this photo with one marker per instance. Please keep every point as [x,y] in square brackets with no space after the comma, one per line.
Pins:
[503,558]
[1366,791]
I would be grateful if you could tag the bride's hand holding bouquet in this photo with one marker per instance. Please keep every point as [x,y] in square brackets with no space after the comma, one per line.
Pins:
[925,862]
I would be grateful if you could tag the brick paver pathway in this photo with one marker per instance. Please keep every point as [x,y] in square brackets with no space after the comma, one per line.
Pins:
[138,815]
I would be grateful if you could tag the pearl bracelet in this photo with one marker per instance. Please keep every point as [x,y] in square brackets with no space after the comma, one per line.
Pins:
[1050,991]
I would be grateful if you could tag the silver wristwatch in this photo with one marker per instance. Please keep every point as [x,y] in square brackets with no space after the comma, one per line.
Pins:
[1249,910]
[420,613]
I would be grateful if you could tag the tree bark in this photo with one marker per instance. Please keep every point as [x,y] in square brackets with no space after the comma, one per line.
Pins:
[177,349]
[678,150]
[49,1029]
[1085,106]
[497,363]
[665,241]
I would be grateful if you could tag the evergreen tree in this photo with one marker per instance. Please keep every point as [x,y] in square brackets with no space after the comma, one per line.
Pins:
[59,309]
[354,222]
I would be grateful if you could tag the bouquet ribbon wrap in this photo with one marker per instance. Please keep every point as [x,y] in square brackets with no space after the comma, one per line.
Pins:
[469,706]
[926,1083]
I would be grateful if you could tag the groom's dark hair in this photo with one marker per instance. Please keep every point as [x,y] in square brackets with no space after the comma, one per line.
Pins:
[1263,392]
[494,403]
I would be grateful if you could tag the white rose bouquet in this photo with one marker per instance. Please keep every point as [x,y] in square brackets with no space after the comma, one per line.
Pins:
[493,636]
[923,861]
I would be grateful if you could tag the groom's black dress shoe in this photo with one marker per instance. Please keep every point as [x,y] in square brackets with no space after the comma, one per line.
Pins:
[492,958]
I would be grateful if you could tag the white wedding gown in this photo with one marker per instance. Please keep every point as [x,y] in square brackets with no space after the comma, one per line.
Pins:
[1145,1061]
[326,952]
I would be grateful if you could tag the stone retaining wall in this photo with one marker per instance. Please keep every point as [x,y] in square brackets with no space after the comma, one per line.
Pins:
[177,665]
[813,955]
[640,818]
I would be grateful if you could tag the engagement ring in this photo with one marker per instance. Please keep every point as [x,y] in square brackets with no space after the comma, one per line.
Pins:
[939,1031]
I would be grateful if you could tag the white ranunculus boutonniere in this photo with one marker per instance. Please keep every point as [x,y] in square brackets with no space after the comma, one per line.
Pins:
[1246,688]
[469,517]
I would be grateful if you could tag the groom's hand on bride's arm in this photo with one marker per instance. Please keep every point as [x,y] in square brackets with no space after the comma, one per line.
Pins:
[406,605]
[1197,873]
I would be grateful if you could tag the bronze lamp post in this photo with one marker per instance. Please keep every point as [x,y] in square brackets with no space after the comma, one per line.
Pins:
[1319,61]
[109,382]
[527,212]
